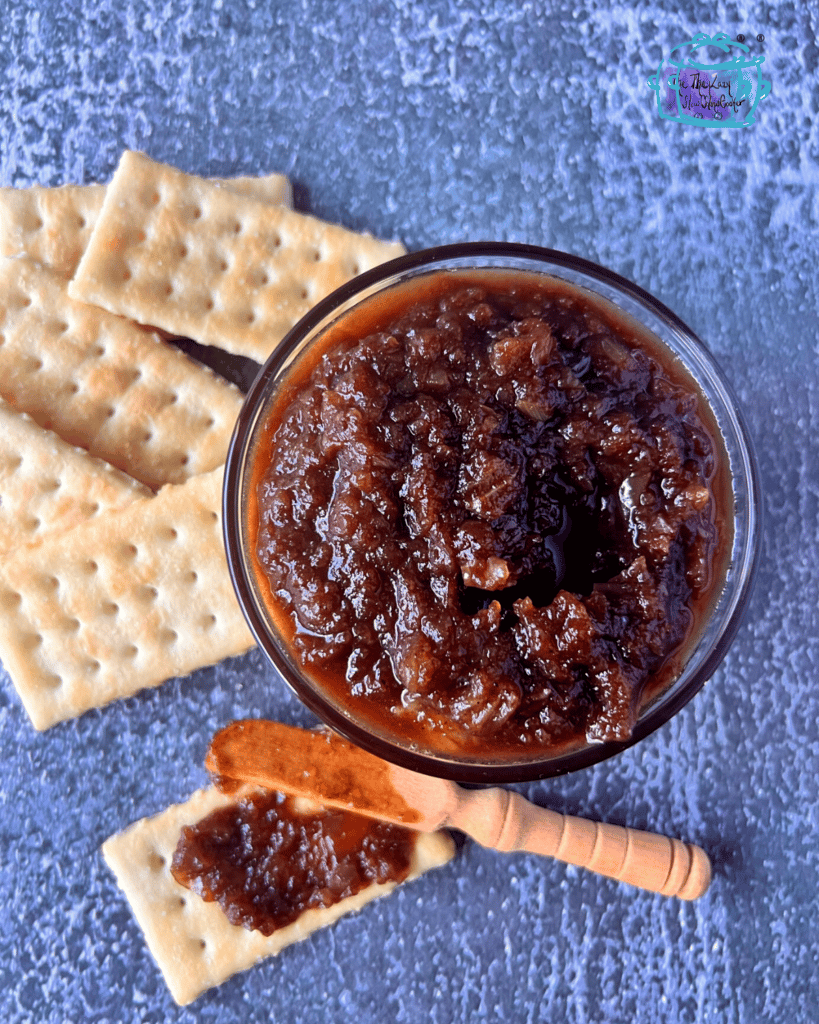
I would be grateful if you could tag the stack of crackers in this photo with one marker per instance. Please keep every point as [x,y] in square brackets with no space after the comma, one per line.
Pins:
[112,440]
[112,444]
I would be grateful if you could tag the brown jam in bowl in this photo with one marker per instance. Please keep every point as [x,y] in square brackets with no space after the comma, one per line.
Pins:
[488,516]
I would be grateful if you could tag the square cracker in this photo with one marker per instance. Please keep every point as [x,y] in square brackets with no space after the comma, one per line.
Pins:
[192,941]
[107,385]
[123,601]
[177,252]
[47,486]
[53,225]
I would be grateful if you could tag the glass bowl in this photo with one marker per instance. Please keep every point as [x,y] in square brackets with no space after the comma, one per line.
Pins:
[702,656]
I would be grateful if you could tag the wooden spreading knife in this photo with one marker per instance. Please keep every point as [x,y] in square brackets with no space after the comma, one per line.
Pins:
[322,766]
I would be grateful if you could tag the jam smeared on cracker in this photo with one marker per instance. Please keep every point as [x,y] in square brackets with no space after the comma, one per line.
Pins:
[266,862]
[192,941]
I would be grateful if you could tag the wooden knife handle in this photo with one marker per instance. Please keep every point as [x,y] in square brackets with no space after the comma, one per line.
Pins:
[504,820]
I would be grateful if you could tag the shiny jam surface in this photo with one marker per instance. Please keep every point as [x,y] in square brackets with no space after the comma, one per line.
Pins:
[486,514]
[265,863]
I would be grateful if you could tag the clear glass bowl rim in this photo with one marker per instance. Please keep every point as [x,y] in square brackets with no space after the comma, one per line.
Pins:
[699,362]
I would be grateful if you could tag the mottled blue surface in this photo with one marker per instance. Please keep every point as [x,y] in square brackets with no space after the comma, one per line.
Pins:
[437,122]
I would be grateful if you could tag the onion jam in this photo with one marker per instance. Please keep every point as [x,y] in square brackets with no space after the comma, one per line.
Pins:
[265,862]
[489,514]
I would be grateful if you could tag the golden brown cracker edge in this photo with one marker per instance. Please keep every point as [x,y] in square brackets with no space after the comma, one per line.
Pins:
[107,385]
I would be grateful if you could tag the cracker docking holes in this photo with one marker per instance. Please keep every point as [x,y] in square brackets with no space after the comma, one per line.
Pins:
[192,941]
[107,586]
[181,253]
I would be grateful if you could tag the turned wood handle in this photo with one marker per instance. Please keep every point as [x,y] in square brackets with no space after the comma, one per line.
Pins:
[504,820]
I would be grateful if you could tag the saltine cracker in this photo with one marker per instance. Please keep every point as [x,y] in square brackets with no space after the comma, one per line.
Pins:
[121,602]
[177,252]
[192,941]
[52,225]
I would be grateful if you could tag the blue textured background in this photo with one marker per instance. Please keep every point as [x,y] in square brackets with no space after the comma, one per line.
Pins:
[437,122]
